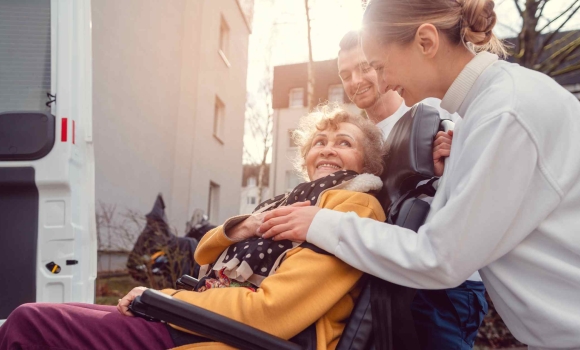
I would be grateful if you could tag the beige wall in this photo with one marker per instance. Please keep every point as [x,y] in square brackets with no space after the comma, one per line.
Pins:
[156,72]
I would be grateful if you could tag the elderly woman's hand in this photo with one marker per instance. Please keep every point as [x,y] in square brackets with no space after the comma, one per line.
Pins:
[123,305]
[291,222]
[247,228]
[441,150]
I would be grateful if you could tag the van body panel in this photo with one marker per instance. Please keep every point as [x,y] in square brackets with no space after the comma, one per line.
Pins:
[59,238]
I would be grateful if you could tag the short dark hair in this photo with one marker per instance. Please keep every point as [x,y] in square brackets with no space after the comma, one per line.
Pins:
[349,41]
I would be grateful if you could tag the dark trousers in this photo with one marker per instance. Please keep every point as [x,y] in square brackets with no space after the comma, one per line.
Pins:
[79,326]
[449,319]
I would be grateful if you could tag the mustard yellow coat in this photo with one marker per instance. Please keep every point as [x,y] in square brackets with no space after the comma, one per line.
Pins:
[307,287]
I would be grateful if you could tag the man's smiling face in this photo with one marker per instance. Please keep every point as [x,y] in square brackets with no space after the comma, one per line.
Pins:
[359,80]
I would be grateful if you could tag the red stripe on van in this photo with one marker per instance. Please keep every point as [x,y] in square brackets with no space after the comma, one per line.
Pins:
[73,132]
[64,129]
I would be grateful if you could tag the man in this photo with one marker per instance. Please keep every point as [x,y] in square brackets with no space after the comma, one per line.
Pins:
[444,319]
[359,81]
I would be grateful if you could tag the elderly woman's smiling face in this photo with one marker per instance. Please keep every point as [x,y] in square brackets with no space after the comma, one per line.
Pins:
[334,150]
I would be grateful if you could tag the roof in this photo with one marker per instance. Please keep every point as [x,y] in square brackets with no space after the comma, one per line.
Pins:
[292,76]
[561,40]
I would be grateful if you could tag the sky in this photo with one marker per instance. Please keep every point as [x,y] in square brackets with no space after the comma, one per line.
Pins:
[284,21]
[279,34]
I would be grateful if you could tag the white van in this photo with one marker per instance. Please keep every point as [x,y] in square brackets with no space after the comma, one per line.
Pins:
[48,242]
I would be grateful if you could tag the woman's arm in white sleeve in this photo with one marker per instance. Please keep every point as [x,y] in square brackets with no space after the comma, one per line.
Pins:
[489,182]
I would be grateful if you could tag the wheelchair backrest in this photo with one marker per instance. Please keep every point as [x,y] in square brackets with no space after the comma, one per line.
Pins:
[408,154]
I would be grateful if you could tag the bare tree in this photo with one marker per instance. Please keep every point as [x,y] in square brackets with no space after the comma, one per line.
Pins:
[542,45]
[267,142]
[311,82]
[259,118]
[117,231]
[259,111]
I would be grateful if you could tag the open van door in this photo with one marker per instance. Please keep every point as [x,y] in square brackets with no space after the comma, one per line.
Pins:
[48,242]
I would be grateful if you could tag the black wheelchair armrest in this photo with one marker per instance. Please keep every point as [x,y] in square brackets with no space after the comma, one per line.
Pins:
[186,282]
[157,305]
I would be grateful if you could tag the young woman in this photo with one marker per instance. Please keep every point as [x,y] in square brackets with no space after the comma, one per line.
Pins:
[509,202]
[289,287]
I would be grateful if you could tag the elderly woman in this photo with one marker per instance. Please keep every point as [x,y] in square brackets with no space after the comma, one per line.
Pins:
[282,287]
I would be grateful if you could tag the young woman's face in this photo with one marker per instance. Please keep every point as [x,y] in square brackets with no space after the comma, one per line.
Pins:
[399,68]
[334,150]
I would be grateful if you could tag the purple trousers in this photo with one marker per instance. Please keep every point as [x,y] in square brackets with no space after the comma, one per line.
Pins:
[79,326]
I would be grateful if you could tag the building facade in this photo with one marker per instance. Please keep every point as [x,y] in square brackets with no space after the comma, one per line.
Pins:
[290,104]
[251,196]
[169,87]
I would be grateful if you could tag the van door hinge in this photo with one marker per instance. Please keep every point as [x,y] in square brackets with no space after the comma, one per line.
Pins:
[51,99]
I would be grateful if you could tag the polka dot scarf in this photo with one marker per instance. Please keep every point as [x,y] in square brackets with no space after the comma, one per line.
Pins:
[307,191]
[248,262]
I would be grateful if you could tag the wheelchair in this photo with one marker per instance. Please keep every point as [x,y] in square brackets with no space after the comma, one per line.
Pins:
[381,318]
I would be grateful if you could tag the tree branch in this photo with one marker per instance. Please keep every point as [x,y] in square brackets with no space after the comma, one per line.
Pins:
[559,56]
[560,41]
[311,82]
[541,8]
[568,69]
[547,47]
[560,15]
[545,43]
[518,7]
[508,27]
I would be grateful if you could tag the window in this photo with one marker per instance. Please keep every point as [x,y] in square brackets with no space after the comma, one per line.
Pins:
[292,180]
[25,55]
[213,203]
[335,93]
[297,97]
[251,200]
[291,142]
[252,182]
[224,42]
[219,120]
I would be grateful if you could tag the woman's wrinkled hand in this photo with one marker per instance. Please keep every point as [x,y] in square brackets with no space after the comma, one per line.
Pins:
[123,305]
[290,222]
[247,228]
[441,150]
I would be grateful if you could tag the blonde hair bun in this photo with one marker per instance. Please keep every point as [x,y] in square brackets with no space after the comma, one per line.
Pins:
[467,22]
[478,20]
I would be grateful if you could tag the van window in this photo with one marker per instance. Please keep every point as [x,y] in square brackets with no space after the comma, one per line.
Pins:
[25,55]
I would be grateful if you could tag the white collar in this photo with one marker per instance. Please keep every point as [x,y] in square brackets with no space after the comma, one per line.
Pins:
[393,118]
[457,92]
